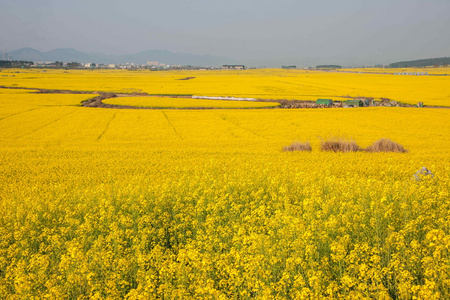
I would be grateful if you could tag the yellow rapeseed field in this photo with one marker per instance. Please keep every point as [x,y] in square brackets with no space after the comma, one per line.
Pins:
[204,204]
[167,102]
[440,70]
[261,83]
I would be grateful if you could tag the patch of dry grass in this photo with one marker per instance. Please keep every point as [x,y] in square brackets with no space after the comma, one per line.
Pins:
[298,146]
[385,145]
[339,144]
[342,144]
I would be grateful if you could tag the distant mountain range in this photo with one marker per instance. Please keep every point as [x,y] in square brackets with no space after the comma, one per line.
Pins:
[161,56]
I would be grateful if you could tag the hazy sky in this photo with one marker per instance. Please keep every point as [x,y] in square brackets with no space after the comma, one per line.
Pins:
[284,31]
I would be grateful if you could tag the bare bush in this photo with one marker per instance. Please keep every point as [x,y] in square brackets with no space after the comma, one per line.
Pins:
[298,146]
[385,145]
[339,144]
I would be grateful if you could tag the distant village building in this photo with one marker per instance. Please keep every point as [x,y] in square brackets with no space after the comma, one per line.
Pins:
[354,103]
[325,102]
[89,65]
[233,67]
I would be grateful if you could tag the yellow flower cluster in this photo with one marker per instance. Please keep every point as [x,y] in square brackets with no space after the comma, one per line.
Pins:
[150,204]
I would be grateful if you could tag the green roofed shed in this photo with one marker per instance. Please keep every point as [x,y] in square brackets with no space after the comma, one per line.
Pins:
[366,102]
[354,103]
[324,102]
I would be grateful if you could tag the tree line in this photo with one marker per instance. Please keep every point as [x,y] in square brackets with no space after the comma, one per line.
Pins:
[443,61]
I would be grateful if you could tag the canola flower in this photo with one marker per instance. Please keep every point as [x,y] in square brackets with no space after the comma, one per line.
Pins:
[149,204]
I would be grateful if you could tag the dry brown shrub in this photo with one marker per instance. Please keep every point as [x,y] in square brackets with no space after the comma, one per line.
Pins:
[298,146]
[385,145]
[339,144]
